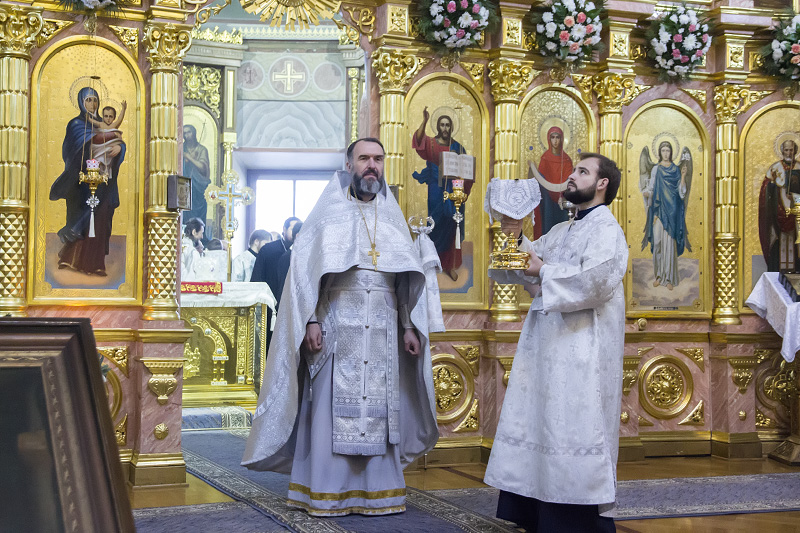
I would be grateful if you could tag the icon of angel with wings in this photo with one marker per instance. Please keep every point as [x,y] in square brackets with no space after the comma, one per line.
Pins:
[665,188]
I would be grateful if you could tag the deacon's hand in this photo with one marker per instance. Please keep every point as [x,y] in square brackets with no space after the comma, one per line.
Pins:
[411,341]
[313,340]
[535,265]
[510,225]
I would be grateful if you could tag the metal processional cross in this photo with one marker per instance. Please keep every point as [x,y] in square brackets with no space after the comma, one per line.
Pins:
[230,196]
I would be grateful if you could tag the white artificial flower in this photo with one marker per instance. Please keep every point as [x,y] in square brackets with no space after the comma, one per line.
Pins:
[436,9]
[681,9]
[598,25]
[788,30]
[777,54]
[452,31]
[540,28]
[570,58]
[670,62]
[483,14]
[438,20]
[550,45]
[590,6]
[464,20]
[547,17]
[664,36]
[660,48]
[690,42]
[437,35]
[569,4]
[681,70]
[683,19]
[674,18]
[775,44]
[796,19]
[578,31]
[593,40]
[785,45]
[551,28]
[705,28]
[783,71]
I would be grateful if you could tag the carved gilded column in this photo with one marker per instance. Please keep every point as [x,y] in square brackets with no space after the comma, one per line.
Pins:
[19,27]
[613,91]
[509,78]
[166,46]
[729,101]
[394,69]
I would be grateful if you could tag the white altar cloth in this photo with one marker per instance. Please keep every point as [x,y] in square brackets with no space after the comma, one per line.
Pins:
[234,294]
[771,302]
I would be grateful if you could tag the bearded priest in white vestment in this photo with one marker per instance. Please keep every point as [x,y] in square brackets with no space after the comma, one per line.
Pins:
[554,455]
[348,398]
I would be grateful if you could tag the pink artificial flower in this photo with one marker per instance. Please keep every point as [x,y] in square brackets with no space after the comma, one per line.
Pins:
[684,59]
[699,53]
[460,33]
[574,47]
[675,52]
[692,27]
[464,4]
[795,60]
[581,18]
[564,35]
[446,22]
[589,29]
[476,8]
[796,48]
[569,22]
[705,37]
[473,25]
[451,6]
[678,38]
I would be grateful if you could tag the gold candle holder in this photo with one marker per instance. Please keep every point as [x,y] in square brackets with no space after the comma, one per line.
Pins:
[93,178]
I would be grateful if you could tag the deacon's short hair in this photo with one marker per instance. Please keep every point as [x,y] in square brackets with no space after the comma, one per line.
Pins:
[259,235]
[194,224]
[363,139]
[606,169]
[289,222]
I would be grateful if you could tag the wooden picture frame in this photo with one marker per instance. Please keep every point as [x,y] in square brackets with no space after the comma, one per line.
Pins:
[60,458]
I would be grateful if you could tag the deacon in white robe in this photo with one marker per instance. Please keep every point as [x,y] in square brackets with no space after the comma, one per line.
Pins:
[348,397]
[555,452]
[242,265]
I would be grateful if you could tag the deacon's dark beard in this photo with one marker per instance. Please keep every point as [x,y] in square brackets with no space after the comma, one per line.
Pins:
[580,196]
[363,186]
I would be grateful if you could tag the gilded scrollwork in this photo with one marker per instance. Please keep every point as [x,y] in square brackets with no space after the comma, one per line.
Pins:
[398,20]
[731,100]
[116,354]
[507,362]
[584,83]
[121,431]
[50,27]
[696,417]
[475,71]
[396,68]
[510,79]
[781,387]
[454,387]
[166,45]
[471,354]
[216,36]
[128,36]
[472,420]
[695,354]
[698,95]
[665,386]
[619,44]
[449,386]
[735,55]
[615,90]
[763,421]
[163,381]
[512,36]
[202,84]
[363,18]
[19,28]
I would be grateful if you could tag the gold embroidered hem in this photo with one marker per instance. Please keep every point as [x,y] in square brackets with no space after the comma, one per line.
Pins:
[339,496]
[347,510]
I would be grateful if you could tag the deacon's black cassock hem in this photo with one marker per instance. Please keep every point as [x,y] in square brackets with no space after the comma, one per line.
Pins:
[546,517]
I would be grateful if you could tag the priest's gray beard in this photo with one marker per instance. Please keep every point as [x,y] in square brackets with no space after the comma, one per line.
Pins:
[580,196]
[363,186]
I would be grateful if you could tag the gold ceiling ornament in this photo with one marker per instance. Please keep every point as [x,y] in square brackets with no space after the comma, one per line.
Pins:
[301,12]
[475,71]
[121,431]
[129,37]
[665,386]
[166,45]
[471,354]
[698,95]
[162,381]
[615,90]
[50,27]
[695,418]
[202,84]
[396,68]
[510,79]
[732,100]
[453,385]
[472,421]
[19,28]
[695,354]
[117,355]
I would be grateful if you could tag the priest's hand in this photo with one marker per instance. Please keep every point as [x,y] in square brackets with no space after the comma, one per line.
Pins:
[313,340]
[510,225]
[535,265]
[411,341]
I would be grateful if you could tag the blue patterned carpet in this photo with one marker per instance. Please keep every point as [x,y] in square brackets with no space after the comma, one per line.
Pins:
[214,456]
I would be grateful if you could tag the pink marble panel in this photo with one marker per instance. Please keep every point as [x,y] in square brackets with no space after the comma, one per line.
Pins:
[101,316]
[464,319]
[152,414]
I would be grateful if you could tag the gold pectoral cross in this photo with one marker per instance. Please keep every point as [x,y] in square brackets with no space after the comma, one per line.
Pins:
[374,254]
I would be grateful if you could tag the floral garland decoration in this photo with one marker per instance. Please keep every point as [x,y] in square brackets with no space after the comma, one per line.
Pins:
[569,30]
[456,24]
[679,40]
[782,56]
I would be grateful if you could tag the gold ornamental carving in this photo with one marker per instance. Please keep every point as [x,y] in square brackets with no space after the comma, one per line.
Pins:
[472,355]
[695,354]
[742,416]
[630,366]
[129,37]
[643,422]
[735,56]
[698,95]
[19,28]
[363,18]
[615,90]
[166,45]
[449,386]
[396,68]
[624,417]
[116,354]
[121,431]
[216,36]
[454,387]
[203,85]
[303,13]
[756,60]
[584,83]
[162,381]
[205,14]
[643,350]
[742,371]
[763,421]
[665,386]
[695,418]
[51,27]
[472,421]
[726,249]
[507,362]
[620,44]
[510,79]
[161,431]
[475,71]
[638,51]
[732,100]
[512,36]
[398,20]
[780,387]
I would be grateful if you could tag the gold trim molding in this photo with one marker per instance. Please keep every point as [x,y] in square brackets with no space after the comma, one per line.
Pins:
[471,354]
[162,382]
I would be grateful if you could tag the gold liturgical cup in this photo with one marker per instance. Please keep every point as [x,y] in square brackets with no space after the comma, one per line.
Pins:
[510,257]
